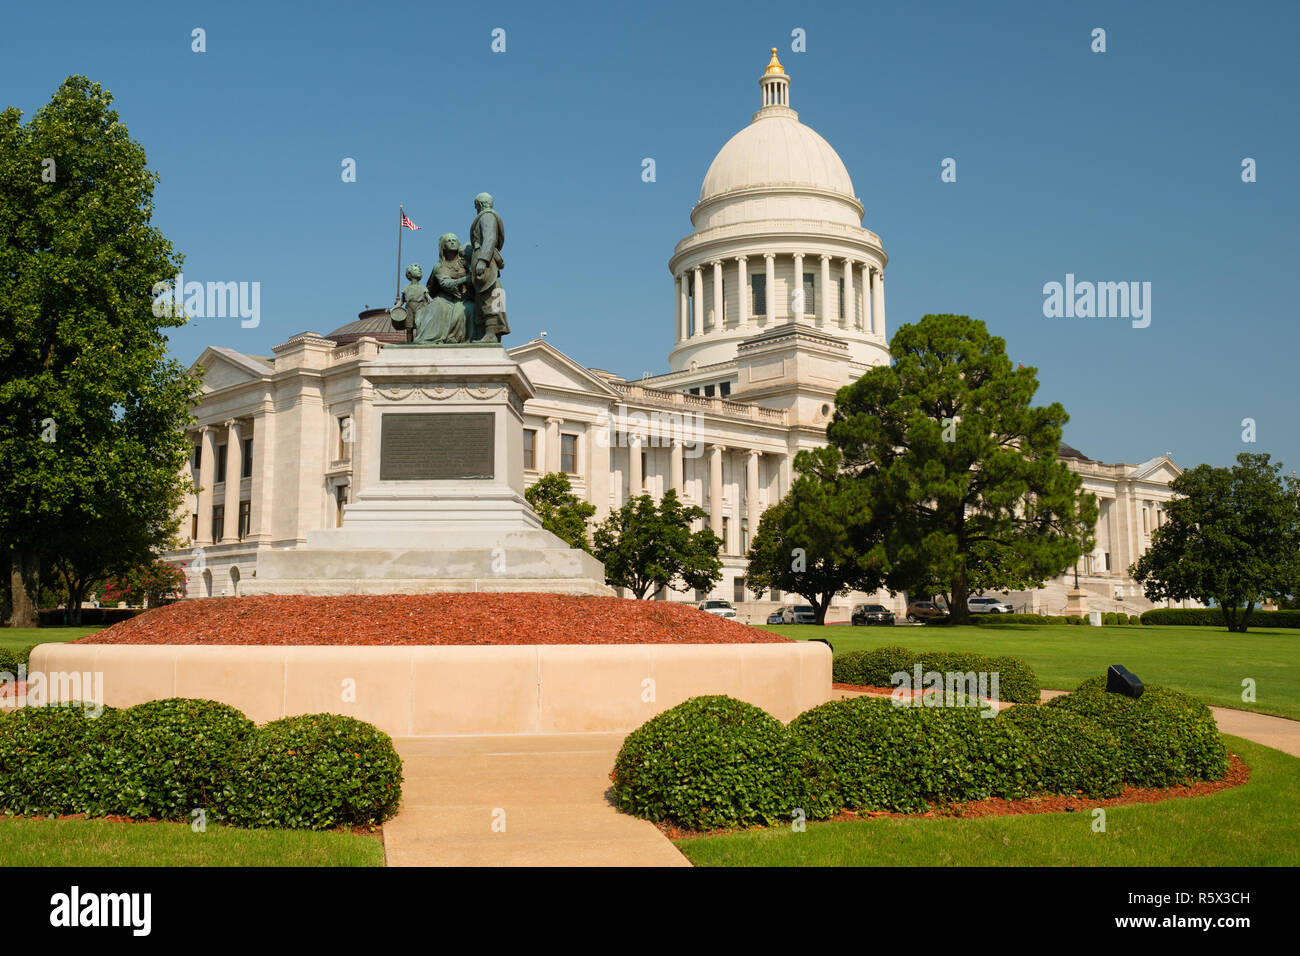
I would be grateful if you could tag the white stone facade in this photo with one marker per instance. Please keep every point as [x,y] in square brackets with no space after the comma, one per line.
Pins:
[753,375]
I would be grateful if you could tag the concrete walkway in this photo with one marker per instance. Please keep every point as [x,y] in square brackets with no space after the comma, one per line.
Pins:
[520,800]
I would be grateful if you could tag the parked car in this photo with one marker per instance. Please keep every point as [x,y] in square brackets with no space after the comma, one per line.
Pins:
[720,608]
[775,618]
[864,614]
[798,614]
[925,611]
[988,605]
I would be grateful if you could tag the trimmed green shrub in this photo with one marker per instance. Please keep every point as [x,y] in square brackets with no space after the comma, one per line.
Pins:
[51,759]
[1069,753]
[1213,617]
[877,755]
[316,772]
[1165,738]
[172,757]
[714,762]
[11,660]
[874,668]
[1019,619]
[1134,619]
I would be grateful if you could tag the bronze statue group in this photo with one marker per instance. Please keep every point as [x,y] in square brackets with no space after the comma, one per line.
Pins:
[463,300]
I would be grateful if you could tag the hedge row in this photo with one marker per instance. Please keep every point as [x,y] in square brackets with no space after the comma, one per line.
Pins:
[874,668]
[1213,617]
[716,762]
[60,617]
[11,660]
[1108,618]
[170,758]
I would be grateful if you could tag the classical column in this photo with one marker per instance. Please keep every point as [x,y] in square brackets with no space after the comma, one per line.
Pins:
[878,301]
[263,483]
[207,477]
[742,290]
[824,296]
[715,488]
[847,320]
[719,305]
[234,468]
[867,321]
[787,475]
[675,468]
[752,512]
[699,299]
[552,447]
[635,480]
[770,294]
[679,294]
[1112,534]
[796,294]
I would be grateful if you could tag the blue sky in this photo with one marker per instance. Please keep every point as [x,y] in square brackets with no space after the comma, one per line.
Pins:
[1115,166]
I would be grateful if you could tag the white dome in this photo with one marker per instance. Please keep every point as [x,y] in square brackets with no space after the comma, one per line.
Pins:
[776,150]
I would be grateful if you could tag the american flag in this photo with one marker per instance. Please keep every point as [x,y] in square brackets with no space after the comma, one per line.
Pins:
[406,221]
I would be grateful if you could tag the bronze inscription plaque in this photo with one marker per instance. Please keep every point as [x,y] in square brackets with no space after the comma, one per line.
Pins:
[436,445]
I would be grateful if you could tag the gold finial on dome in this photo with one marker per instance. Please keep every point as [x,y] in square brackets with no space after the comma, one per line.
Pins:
[775,66]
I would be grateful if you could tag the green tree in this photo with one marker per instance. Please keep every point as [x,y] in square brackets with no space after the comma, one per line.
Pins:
[1232,537]
[960,467]
[563,513]
[814,541]
[91,408]
[646,546]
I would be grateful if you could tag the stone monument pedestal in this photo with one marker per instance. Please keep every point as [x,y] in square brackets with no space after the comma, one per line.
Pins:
[441,504]
[1076,602]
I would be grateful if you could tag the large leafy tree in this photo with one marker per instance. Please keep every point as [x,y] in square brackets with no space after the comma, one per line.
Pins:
[1232,538]
[811,543]
[647,545]
[91,407]
[960,467]
[563,513]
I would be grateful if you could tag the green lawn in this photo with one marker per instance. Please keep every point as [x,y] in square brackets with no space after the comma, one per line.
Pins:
[1257,824]
[16,638]
[101,843]
[1206,662]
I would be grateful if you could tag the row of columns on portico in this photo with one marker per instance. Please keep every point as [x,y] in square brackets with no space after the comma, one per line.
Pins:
[869,284]
[208,478]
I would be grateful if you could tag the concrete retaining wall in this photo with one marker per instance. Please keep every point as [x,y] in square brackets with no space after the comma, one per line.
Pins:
[433,691]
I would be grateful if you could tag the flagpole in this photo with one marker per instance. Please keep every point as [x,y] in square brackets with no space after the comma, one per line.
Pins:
[400,214]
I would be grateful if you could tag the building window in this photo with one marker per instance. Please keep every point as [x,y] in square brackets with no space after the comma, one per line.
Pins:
[841,297]
[247,470]
[340,504]
[345,436]
[724,389]
[194,527]
[1145,529]
[738,590]
[221,464]
[645,469]
[760,294]
[695,390]
[569,454]
[218,522]
[245,519]
[530,448]
[722,306]
[708,390]
[726,535]
[198,456]
[744,535]
[1107,560]
[776,595]
[809,292]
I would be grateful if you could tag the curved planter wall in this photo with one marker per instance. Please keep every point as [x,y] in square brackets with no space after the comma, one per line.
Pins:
[434,691]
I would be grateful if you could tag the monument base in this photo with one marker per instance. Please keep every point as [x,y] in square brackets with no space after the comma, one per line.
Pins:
[1076,602]
[441,505]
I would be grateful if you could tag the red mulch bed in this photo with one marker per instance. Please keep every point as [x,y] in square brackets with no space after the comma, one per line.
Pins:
[1238,773]
[402,619]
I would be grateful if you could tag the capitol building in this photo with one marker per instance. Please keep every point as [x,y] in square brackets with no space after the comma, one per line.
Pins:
[778,301]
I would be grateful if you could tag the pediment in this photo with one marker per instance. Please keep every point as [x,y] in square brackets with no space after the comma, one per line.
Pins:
[549,368]
[222,368]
